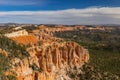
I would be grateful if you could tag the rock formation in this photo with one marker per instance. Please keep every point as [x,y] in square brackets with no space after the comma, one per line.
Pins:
[50,61]
[17,33]
[26,40]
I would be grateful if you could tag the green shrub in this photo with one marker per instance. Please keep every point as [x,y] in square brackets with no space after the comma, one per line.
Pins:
[104,47]
[11,77]
[4,66]
[13,49]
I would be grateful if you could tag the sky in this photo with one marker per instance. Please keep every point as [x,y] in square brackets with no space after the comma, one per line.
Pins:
[60,11]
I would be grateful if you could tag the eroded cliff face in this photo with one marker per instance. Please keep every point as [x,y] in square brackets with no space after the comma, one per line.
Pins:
[52,60]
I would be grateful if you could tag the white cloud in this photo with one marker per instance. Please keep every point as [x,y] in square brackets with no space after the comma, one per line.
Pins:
[103,15]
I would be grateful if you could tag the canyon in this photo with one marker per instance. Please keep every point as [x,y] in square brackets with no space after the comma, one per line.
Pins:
[50,58]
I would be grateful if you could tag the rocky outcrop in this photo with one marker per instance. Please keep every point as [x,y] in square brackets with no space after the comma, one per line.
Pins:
[26,40]
[51,62]
[17,33]
[62,54]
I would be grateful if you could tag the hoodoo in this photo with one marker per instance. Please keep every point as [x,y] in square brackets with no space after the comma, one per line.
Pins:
[50,61]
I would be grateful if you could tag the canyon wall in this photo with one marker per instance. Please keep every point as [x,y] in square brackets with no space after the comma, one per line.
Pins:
[50,61]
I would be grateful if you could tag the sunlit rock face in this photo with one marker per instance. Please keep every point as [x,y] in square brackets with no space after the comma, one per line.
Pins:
[60,55]
[53,60]
[17,33]
[26,39]
[50,61]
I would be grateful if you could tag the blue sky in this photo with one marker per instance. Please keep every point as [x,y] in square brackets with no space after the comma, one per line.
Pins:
[60,11]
